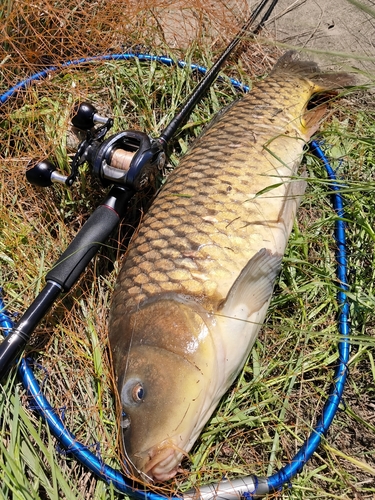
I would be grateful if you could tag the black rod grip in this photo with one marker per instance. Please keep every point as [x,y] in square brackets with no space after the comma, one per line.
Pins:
[90,238]
[85,245]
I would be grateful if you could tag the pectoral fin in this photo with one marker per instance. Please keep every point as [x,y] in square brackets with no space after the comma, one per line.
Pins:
[253,287]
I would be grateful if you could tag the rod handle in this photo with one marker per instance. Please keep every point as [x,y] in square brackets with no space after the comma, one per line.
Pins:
[90,238]
[85,245]
[18,336]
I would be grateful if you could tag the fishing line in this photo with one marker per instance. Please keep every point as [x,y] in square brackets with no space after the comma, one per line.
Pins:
[226,489]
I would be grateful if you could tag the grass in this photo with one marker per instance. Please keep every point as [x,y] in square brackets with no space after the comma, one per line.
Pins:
[260,424]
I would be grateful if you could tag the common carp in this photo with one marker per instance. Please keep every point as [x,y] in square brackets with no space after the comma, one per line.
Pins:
[196,283]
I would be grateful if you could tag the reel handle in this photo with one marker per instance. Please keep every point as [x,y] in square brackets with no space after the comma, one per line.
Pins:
[43,173]
[85,116]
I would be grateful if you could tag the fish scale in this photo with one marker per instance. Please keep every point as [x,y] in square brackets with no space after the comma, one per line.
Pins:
[197,280]
[202,216]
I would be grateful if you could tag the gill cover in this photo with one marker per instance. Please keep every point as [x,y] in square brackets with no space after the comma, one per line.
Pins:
[164,380]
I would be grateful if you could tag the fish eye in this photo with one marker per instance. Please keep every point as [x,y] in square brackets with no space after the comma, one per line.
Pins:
[132,393]
[138,393]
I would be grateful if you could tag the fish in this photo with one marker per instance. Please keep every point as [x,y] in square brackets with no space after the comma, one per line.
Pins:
[197,280]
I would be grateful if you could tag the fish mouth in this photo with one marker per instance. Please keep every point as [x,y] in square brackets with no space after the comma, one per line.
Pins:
[161,463]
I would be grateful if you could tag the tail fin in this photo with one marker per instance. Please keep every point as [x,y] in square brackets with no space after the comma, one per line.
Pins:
[290,63]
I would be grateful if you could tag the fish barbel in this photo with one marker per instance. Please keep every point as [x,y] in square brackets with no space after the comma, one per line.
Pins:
[198,277]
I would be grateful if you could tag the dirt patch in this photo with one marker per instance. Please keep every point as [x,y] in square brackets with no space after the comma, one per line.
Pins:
[330,27]
[336,32]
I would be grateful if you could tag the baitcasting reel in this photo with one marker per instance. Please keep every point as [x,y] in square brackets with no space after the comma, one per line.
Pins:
[128,158]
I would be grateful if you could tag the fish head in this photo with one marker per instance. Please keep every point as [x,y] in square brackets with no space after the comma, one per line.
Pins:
[165,383]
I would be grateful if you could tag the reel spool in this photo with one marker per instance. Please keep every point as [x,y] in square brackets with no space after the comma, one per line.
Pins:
[129,158]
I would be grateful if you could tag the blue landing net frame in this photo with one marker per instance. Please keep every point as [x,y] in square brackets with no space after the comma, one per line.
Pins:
[341,372]
[109,57]
[250,486]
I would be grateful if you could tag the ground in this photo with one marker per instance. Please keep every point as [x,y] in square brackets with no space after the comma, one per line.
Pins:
[320,26]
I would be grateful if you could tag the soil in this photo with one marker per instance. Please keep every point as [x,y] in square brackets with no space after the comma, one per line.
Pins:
[334,26]
[335,31]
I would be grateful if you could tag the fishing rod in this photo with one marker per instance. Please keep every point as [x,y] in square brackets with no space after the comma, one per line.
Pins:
[128,161]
